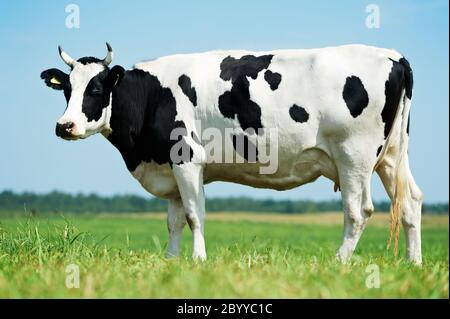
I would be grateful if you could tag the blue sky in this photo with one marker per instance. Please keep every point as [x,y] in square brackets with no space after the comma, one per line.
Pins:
[33,159]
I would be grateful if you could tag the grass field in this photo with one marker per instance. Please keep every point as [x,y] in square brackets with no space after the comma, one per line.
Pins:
[249,255]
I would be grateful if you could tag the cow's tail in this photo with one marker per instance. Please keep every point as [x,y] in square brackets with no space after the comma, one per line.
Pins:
[401,171]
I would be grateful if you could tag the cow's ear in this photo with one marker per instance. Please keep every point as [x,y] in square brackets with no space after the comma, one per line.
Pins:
[114,76]
[56,79]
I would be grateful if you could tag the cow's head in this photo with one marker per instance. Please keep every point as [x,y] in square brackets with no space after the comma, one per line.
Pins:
[87,89]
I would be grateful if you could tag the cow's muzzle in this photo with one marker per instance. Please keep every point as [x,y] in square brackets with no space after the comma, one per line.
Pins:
[65,130]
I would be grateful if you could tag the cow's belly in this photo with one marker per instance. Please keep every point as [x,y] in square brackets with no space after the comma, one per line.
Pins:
[291,172]
[157,179]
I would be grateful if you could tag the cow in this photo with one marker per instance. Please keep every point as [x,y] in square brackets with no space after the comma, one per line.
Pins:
[339,112]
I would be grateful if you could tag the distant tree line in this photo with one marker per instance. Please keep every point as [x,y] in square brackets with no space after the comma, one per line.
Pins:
[81,203]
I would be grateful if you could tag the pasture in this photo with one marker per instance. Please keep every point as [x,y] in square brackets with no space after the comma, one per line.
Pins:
[249,256]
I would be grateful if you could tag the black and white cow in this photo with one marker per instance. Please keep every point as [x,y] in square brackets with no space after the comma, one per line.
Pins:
[339,112]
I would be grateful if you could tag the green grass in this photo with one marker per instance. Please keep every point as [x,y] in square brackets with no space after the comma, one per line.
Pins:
[122,257]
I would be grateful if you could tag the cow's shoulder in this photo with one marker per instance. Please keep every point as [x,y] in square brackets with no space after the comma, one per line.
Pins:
[144,118]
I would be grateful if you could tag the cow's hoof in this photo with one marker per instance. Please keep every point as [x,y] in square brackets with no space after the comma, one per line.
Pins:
[417,261]
[170,255]
[343,257]
[199,257]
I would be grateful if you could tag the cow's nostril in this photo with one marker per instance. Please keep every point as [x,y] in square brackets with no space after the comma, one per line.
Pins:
[64,130]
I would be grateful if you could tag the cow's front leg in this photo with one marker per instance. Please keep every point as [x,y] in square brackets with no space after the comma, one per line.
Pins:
[189,177]
[176,219]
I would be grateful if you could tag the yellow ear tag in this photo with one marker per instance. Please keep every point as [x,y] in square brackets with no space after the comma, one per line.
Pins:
[55,81]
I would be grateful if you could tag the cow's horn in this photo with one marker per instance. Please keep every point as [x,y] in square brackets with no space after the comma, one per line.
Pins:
[66,58]
[108,59]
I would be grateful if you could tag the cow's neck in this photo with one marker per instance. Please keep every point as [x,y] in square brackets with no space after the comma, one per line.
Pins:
[140,112]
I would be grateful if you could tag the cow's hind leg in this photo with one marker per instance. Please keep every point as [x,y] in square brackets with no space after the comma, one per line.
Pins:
[411,203]
[357,204]
[176,220]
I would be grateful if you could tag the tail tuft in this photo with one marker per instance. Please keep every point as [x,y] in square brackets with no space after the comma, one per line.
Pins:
[397,206]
